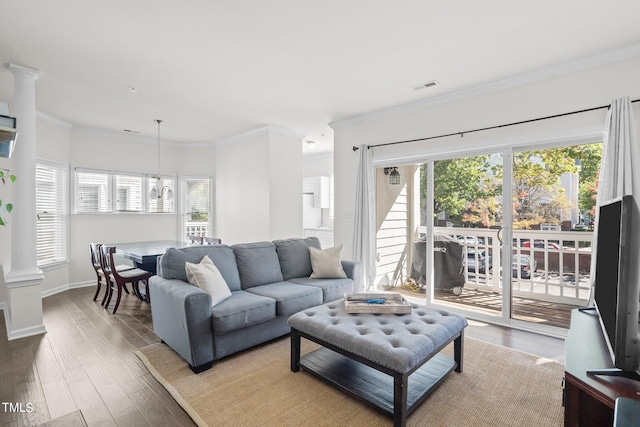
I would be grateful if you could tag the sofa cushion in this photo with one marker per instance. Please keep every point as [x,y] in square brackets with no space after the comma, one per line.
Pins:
[294,257]
[290,297]
[326,263]
[242,309]
[258,264]
[332,289]
[173,261]
[207,277]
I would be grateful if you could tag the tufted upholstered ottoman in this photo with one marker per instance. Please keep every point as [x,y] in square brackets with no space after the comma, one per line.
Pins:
[389,360]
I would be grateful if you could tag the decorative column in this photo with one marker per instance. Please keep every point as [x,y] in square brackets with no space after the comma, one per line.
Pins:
[24,278]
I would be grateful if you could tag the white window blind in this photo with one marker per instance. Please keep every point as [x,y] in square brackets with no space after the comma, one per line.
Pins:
[129,193]
[93,192]
[51,210]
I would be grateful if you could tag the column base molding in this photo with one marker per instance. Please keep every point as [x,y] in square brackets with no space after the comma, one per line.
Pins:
[23,312]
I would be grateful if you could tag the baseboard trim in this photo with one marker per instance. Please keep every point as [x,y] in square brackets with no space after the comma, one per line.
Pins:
[26,332]
[68,286]
[38,329]
[20,333]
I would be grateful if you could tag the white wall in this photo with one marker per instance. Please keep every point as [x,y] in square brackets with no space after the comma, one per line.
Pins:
[285,186]
[258,187]
[242,190]
[559,94]
[317,165]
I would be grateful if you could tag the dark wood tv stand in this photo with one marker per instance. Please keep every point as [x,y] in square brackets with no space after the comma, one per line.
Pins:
[589,400]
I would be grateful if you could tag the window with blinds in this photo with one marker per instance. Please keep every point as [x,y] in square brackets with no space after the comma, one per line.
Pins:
[93,192]
[129,190]
[99,191]
[52,216]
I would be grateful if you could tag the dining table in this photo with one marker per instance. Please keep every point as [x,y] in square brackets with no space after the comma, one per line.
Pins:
[145,254]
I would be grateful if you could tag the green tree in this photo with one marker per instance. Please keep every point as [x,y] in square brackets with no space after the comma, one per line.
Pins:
[536,178]
[590,157]
[458,182]
[469,189]
[538,196]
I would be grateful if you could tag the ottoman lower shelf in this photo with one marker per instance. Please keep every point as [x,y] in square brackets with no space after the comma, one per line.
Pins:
[373,386]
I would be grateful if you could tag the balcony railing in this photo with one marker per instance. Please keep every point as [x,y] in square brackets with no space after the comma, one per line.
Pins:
[546,265]
[197,228]
[550,266]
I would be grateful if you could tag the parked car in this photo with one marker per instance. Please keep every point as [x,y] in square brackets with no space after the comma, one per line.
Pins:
[526,264]
[540,244]
[471,240]
[478,258]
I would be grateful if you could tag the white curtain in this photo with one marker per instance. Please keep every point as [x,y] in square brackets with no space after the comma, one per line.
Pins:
[364,232]
[620,172]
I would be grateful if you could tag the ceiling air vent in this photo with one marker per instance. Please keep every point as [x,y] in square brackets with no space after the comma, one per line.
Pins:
[426,85]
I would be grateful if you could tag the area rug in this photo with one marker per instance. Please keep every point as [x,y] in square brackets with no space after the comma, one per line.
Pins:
[499,387]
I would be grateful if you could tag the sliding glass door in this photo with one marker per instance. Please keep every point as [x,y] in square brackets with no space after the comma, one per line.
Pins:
[447,234]
[467,211]
[553,195]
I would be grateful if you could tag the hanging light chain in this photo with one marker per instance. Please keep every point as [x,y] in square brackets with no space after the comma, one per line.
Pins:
[158,121]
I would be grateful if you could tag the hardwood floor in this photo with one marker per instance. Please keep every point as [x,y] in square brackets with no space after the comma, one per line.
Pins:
[86,361]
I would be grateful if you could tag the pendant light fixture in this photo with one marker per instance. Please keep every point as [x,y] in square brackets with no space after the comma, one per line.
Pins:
[165,191]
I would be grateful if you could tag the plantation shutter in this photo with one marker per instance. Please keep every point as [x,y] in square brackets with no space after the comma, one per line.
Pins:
[51,210]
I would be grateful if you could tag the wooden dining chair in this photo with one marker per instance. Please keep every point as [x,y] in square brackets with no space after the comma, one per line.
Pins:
[118,279]
[195,239]
[96,256]
[211,241]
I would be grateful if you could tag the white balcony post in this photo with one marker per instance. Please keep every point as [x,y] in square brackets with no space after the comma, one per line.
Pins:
[24,278]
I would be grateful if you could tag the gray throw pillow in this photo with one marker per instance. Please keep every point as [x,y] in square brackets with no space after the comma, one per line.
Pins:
[294,256]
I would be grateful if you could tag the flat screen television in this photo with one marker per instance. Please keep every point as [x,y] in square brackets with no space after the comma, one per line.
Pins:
[617,292]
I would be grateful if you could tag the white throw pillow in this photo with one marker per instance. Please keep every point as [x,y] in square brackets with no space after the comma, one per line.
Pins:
[207,277]
[326,264]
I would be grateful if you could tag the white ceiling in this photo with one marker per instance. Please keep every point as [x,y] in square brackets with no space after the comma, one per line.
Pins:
[215,69]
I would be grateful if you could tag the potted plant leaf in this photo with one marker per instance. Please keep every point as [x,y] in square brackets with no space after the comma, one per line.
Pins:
[5,174]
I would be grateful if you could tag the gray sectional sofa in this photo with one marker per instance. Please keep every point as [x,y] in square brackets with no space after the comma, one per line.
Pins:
[269,281]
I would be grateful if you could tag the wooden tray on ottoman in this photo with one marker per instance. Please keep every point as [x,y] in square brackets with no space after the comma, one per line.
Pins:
[394,303]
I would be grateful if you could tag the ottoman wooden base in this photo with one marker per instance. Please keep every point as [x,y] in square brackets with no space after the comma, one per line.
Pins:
[395,393]
[398,354]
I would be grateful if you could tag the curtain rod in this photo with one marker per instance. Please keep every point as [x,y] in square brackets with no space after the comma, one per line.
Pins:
[490,127]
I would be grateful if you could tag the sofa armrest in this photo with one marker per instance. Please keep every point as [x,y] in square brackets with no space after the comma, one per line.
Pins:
[181,316]
[353,269]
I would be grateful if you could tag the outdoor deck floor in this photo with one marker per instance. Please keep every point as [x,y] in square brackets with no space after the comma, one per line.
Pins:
[526,309]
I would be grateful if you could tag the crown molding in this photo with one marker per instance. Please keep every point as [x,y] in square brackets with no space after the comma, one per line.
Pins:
[266,129]
[584,63]
[286,132]
[53,120]
[138,139]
